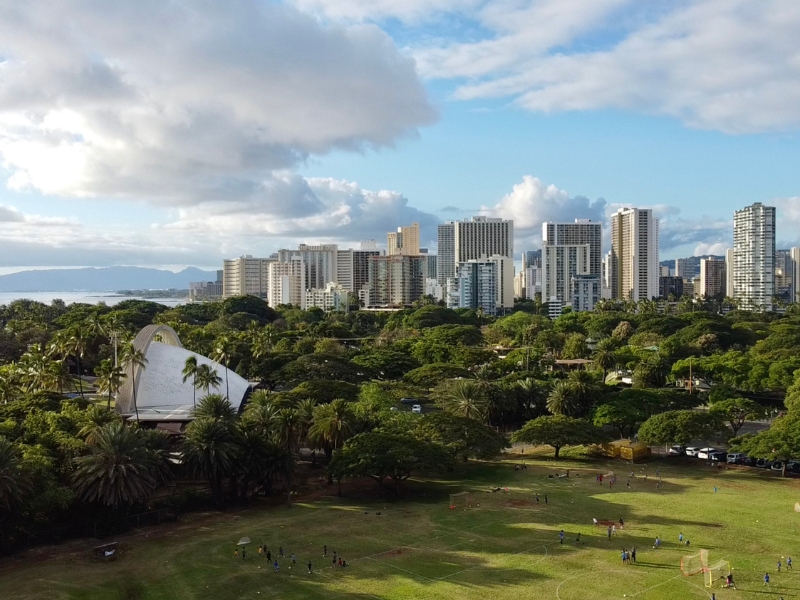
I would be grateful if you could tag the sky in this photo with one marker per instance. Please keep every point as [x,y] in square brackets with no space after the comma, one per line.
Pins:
[181,133]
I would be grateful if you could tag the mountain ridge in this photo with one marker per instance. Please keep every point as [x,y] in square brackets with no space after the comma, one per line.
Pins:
[102,279]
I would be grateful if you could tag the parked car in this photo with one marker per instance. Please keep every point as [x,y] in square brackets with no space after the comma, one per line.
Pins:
[408,400]
[692,450]
[705,453]
[676,451]
[748,462]
[416,409]
[793,466]
[777,466]
[763,463]
[735,458]
[718,456]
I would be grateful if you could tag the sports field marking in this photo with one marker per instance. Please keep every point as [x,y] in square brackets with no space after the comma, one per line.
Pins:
[502,569]
[346,584]
[656,585]
[412,573]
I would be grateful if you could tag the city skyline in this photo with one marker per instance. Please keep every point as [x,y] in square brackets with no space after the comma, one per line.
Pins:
[190,145]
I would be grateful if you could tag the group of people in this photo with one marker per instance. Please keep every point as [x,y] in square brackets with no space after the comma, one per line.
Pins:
[338,561]
[629,556]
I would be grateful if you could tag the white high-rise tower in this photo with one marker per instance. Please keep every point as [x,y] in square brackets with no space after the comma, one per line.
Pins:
[634,254]
[754,256]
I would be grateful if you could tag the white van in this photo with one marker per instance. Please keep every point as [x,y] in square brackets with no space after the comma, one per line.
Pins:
[705,453]
[416,409]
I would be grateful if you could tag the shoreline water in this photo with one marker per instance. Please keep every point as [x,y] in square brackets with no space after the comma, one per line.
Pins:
[109,298]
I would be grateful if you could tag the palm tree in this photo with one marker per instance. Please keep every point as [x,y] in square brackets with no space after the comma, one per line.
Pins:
[95,418]
[564,400]
[289,422]
[263,341]
[190,370]
[466,398]
[333,424]
[118,471]
[306,408]
[134,359]
[36,371]
[210,451]
[260,417]
[7,387]
[206,378]
[534,394]
[76,344]
[217,408]
[604,356]
[14,486]
[109,379]
[158,445]
[222,354]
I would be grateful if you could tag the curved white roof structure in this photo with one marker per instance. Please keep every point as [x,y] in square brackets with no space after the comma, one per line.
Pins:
[161,394]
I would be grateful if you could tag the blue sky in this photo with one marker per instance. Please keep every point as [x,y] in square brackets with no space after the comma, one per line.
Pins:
[180,134]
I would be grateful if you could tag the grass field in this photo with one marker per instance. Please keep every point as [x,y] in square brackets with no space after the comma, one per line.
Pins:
[506,548]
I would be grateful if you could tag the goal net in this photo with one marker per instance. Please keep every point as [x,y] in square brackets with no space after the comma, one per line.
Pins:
[692,564]
[461,499]
[716,572]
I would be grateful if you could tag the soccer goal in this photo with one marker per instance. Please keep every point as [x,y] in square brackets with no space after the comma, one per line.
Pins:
[692,564]
[716,572]
[461,500]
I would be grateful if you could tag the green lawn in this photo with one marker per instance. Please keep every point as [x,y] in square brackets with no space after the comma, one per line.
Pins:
[418,548]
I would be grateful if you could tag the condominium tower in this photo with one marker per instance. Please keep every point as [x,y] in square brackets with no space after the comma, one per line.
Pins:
[754,256]
[569,250]
[245,276]
[634,255]
[475,238]
[405,241]
[712,277]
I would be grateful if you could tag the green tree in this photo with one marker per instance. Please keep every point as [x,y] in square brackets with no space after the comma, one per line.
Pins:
[190,368]
[222,354]
[382,456]
[463,437]
[735,411]
[118,471]
[210,451]
[619,415]
[217,408]
[134,360]
[333,424]
[109,379]
[427,376]
[604,356]
[465,398]
[678,427]
[14,485]
[206,378]
[94,419]
[558,431]
[780,442]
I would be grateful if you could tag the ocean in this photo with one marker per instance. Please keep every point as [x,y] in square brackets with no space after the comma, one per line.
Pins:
[110,298]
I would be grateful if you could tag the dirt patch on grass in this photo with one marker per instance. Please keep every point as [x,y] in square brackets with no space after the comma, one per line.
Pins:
[517,503]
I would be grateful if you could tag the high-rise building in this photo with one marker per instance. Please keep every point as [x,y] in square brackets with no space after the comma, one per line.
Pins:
[430,263]
[332,297]
[245,276]
[475,238]
[287,283]
[352,268]
[319,262]
[485,283]
[664,271]
[795,254]
[784,274]
[369,245]
[474,287]
[729,273]
[712,278]
[528,282]
[634,254]
[405,241]
[754,256]
[681,268]
[568,250]
[395,281]
[531,258]
[670,286]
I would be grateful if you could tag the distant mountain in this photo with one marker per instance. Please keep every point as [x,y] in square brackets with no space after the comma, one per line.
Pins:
[104,279]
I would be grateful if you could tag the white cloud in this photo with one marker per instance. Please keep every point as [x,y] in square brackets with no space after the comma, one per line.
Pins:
[730,65]
[409,11]
[532,202]
[190,101]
